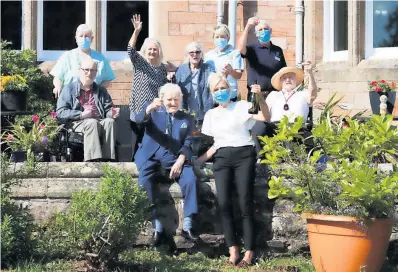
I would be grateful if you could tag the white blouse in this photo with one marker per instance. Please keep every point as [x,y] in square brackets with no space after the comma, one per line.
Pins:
[298,105]
[229,126]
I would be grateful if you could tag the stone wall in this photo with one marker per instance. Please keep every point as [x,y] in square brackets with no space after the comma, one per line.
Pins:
[279,229]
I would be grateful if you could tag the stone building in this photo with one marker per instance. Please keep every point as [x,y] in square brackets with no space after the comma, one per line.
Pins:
[350,42]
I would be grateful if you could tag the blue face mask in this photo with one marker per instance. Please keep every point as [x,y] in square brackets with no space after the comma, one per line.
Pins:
[220,43]
[264,36]
[83,42]
[222,96]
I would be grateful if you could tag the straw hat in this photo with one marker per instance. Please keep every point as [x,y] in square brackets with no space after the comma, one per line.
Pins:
[276,79]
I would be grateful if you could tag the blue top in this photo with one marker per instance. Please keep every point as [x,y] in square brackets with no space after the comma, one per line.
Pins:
[218,59]
[67,67]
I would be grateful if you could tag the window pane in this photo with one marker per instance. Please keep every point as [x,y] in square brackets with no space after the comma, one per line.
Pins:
[11,22]
[60,20]
[119,27]
[385,24]
[340,25]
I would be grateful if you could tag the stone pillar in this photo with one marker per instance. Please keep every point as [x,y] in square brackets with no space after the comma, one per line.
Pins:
[29,25]
[93,19]
[355,52]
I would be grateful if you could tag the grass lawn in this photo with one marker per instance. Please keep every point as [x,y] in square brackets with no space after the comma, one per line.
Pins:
[149,260]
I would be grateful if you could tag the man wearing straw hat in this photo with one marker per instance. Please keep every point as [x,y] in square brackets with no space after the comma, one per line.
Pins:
[288,101]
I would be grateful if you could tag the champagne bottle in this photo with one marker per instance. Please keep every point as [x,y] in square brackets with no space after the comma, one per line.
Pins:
[253,99]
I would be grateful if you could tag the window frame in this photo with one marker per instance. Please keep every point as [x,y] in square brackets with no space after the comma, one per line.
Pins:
[22,26]
[329,55]
[120,55]
[370,51]
[47,55]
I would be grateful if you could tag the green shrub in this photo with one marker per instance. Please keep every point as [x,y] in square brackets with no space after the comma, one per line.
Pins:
[16,222]
[99,225]
[24,63]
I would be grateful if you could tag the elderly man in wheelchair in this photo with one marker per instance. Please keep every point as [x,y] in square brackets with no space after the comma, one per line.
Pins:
[87,108]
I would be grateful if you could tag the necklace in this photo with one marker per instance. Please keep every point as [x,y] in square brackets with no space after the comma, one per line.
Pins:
[286,106]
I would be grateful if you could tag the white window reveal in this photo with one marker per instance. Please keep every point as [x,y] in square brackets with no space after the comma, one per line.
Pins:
[381,29]
[57,22]
[117,27]
[335,43]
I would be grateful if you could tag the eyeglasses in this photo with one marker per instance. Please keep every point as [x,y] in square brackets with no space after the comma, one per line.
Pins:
[86,70]
[195,52]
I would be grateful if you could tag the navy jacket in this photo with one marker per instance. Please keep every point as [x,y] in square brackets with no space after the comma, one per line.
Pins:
[69,107]
[155,134]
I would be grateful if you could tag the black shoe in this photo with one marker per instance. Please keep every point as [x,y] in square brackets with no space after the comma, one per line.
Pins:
[158,238]
[189,235]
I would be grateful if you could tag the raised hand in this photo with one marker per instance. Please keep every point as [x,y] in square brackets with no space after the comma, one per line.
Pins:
[253,21]
[136,20]
[307,66]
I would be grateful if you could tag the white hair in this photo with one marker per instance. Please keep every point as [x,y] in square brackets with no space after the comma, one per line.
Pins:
[222,29]
[169,88]
[193,46]
[90,60]
[83,28]
[262,23]
[215,79]
[144,48]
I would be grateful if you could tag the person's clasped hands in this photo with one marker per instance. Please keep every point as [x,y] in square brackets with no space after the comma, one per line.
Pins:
[89,112]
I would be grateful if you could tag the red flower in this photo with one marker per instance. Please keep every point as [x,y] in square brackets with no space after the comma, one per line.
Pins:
[379,89]
[35,118]
[374,83]
[41,126]
[10,137]
[53,114]
[383,81]
[393,84]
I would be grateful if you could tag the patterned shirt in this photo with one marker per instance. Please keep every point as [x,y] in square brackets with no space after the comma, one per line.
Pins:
[87,99]
[147,79]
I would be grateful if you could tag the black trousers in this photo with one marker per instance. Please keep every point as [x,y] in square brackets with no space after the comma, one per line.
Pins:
[137,135]
[235,167]
[262,129]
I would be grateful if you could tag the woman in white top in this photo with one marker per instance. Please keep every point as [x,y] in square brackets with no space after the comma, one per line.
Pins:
[234,161]
[288,101]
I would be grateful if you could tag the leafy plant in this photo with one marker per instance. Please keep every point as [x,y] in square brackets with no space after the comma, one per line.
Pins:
[99,225]
[382,86]
[17,225]
[15,82]
[35,138]
[24,63]
[339,173]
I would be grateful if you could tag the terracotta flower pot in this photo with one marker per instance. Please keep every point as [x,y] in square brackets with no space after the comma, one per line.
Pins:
[342,243]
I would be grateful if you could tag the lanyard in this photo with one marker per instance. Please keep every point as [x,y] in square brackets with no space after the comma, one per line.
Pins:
[286,106]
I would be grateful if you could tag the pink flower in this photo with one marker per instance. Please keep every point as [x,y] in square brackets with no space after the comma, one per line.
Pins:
[379,89]
[10,137]
[53,114]
[374,83]
[35,118]
[383,81]
[41,126]
[393,84]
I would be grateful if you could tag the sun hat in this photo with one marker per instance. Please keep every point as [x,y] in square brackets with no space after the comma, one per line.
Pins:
[276,79]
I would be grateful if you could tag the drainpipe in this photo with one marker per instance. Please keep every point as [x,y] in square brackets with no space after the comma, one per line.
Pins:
[220,14]
[232,8]
[299,32]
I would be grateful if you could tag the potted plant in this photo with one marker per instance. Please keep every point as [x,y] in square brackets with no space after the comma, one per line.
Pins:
[30,143]
[336,184]
[13,93]
[378,88]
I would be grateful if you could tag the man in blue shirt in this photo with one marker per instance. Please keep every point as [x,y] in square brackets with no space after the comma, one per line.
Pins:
[264,59]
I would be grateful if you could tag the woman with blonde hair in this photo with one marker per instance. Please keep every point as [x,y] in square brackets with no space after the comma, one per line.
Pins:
[234,162]
[149,74]
[192,77]
[225,58]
